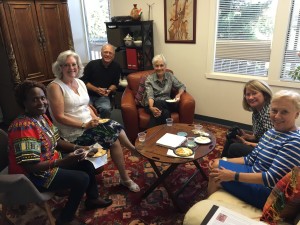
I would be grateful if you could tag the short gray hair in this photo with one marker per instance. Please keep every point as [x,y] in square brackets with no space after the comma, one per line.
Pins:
[290,95]
[159,57]
[61,60]
[108,45]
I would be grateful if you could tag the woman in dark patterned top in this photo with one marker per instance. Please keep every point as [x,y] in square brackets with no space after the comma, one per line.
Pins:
[158,87]
[256,99]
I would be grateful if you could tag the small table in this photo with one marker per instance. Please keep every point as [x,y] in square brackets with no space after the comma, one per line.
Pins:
[155,153]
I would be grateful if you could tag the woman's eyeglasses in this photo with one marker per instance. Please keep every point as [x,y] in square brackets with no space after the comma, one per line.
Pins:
[69,65]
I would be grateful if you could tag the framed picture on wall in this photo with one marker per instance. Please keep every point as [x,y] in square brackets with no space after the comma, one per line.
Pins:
[180,21]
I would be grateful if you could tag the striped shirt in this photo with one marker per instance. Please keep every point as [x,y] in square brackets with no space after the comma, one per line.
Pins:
[275,155]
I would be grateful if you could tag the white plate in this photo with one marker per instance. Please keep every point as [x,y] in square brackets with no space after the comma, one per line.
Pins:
[202,140]
[99,153]
[183,152]
[201,133]
[171,100]
[103,120]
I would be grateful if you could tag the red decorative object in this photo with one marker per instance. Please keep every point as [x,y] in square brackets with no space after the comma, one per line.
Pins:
[131,56]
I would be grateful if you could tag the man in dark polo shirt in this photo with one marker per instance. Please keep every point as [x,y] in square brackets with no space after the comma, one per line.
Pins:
[101,77]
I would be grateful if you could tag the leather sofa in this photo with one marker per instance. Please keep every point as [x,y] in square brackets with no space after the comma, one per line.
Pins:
[135,117]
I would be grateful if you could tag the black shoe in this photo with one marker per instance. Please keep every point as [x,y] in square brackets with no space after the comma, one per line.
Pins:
[73,222]
[91,204]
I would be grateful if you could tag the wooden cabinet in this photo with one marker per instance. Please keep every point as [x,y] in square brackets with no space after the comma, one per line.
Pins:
[33,33]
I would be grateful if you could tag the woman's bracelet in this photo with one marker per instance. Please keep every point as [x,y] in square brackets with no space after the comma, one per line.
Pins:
[83,126]
[237,176]
[55,163]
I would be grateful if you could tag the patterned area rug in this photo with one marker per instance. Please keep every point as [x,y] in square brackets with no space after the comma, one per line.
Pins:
[128,207]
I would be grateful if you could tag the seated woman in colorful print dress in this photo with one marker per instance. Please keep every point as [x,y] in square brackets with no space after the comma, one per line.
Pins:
[35,150]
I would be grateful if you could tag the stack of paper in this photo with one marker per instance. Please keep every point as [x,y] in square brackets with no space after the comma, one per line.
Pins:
[219,215]
[170,140]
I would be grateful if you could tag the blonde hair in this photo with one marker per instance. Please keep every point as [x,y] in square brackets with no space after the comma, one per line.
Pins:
[257,85]
[289,95]
[61,60]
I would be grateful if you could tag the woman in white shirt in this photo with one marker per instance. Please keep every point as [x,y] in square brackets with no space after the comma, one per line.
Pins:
[76,121]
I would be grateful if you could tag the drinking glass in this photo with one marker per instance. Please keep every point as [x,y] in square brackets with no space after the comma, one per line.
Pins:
[79,151]
[190,141]
[142,136]
[169,122]
[198,127]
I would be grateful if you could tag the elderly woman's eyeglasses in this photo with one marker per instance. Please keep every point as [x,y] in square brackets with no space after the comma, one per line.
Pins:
[69,65]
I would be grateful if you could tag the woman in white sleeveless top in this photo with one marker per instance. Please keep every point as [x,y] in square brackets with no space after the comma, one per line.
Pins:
[76,121]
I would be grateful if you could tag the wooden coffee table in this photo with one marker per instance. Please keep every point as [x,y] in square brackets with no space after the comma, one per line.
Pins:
[155,153]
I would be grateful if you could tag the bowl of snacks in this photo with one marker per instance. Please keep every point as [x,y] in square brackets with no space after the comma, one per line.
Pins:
[138,43]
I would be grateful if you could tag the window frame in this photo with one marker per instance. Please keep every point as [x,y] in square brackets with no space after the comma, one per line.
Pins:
[277,53]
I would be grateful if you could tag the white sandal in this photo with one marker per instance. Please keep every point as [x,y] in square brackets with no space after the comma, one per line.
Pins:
[131,185]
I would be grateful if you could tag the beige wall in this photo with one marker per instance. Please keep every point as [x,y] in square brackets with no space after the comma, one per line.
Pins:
[214,98]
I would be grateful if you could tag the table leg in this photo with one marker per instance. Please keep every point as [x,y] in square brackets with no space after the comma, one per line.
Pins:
[200,169]
[165,174]
[161,176]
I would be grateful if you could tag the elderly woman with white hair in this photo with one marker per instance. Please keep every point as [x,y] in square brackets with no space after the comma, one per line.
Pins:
[252,178]
[158,87]
[76,121]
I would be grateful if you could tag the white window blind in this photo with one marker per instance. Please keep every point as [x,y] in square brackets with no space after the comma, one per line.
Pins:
[291,59]
[244,36]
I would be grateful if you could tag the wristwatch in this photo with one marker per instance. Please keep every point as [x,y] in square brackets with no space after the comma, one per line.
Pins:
[224,158]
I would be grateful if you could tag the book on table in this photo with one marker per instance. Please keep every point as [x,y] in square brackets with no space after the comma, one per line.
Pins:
[170,140]
[219,215]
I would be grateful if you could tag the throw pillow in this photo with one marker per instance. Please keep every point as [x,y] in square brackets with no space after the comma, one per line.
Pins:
[139,97]
[284,201]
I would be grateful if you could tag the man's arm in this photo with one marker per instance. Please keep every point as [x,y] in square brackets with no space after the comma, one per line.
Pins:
[100,91]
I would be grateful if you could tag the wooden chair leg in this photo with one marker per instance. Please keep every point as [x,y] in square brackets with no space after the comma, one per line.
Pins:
[49,213]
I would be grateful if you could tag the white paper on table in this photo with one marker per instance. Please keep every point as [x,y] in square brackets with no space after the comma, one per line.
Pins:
[98,161]
[170,140]
[171,153]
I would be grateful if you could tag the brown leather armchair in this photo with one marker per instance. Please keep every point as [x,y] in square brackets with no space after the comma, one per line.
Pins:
[135,117]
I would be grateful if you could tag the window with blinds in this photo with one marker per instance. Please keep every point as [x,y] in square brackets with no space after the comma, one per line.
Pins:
[291,58]
[244,36]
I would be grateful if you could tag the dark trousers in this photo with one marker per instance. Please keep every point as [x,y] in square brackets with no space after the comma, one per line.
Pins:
[165,113]
[80,179]
[235,149]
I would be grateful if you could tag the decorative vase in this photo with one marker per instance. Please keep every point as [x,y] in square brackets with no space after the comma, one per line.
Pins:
[135,13]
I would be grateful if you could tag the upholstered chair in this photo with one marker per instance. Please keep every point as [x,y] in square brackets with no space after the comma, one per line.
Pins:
[17,189]
[135,117]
